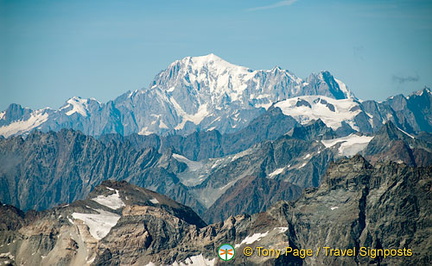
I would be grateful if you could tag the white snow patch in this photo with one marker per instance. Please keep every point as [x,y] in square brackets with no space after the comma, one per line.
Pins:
[36,119]
[251,239]
[276,172]
[154,201]
[350,145]
[406,133]
[99,224]
[192,165]
[112,201]
[163,125]
[333,208]
[263,105]
[145,131]
[227,185]
[7,255]
[241,154]
[91,260]
[194,118]
[196,260]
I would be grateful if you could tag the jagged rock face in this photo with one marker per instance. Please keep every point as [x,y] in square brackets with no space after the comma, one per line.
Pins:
[358,205]
[211,144]
[412,113]
[392,144]
[316,130]
[250,195]
[286,159]
[123,224]
[385,206]
[47,169]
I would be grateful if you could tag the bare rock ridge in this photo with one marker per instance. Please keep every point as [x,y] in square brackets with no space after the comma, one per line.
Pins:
[358,206]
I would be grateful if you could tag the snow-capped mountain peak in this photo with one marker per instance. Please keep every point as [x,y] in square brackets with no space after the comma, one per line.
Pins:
[76,104]
[207,93]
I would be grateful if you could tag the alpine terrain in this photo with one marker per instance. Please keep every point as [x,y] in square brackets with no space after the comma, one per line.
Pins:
[213,153]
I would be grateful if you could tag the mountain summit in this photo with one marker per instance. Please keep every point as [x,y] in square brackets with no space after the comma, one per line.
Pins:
[208,93]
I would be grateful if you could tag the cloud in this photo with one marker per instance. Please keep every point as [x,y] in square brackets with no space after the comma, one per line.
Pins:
[275,5]
[403,79]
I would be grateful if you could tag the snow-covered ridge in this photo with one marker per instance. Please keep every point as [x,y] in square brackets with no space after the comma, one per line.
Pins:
[210,92]
[36,119]
[331,111]
[76,105]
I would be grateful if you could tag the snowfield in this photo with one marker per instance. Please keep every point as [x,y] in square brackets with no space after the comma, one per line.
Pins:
[112,201]
[350,145]
[99,224]
[331,111]
[36,119]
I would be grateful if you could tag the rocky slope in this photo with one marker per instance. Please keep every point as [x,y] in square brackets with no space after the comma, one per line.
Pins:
[394,144]
[46,169]
[358,205]
[211,144]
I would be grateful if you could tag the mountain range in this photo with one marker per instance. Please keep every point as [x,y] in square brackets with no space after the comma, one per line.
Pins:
[119,223]
[215,153]
[207,93]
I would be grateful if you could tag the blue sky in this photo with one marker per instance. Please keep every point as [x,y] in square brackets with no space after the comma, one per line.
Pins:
[53,50]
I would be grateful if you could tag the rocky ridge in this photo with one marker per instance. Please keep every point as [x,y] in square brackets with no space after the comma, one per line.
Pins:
[358,205]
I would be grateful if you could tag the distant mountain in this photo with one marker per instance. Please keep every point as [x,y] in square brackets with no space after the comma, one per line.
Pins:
[199,170]
[46,169]
[120,223]
[195,93]
[207,93]
[394,144]
[210,144]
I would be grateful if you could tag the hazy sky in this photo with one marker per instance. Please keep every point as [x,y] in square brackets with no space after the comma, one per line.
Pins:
[53,50]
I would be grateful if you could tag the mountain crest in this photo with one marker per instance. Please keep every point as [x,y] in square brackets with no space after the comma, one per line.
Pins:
[208,93]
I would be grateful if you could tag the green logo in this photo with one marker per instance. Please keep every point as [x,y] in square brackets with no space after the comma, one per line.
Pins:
[226,252]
